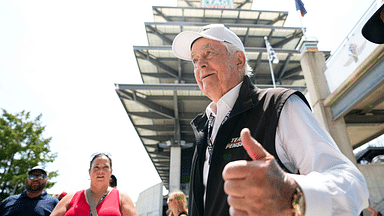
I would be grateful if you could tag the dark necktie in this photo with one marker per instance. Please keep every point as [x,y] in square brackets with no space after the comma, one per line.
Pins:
[211,121]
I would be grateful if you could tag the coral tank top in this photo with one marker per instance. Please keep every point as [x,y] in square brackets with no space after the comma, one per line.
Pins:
[110,206]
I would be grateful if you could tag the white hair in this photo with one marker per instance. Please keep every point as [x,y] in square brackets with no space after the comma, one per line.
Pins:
[232,49]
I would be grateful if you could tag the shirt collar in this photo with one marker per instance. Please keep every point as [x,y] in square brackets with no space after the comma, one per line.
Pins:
[226,102]
[24,195]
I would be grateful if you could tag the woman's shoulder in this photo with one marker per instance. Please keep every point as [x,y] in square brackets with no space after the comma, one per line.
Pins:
[121,193]
[125,198]
[126,204]
[72,197]
[77,194]
[64,204]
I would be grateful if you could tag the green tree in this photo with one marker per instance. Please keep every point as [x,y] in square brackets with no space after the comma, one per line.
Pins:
[22,146]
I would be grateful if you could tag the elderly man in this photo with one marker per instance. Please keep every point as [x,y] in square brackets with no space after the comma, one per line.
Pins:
[32,201]
[294,167]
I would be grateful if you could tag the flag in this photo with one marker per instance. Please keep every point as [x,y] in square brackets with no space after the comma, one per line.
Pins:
[300,7]
[271,53]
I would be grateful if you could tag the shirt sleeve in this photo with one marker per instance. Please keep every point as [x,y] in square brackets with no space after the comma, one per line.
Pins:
[331,183]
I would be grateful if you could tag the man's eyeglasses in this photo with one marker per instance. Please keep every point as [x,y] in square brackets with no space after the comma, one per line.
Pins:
[41,176]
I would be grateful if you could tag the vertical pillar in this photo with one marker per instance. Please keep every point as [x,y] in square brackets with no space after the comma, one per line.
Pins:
[313,65]
[174,169]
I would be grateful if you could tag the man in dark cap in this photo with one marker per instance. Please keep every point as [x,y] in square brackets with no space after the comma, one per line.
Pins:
[32,201]
[373,29]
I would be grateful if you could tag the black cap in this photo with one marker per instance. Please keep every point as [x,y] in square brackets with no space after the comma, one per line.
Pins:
[373,29]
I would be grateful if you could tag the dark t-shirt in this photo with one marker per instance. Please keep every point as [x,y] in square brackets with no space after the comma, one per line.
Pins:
[22,205]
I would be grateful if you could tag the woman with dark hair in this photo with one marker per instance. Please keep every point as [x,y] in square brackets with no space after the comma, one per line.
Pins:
[113,181]
[99,197]
[177,204]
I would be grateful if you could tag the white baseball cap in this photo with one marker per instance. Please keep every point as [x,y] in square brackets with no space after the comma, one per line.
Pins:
[42,168]
[182,44]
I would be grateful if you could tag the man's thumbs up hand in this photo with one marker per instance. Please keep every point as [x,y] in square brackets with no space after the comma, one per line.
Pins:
[258,187]
[253,148]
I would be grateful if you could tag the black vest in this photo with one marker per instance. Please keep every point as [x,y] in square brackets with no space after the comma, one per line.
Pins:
[256,109]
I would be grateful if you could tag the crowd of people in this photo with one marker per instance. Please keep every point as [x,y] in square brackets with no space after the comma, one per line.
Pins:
[102,198]
[287,164]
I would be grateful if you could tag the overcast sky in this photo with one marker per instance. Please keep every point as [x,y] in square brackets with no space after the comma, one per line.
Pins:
[62,58]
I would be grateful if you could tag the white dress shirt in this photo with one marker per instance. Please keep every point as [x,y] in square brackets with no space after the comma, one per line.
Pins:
[331,183]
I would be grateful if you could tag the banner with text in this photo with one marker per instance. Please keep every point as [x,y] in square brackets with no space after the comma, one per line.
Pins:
[217,3]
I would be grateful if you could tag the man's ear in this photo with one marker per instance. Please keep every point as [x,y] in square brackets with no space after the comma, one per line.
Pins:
[240,60]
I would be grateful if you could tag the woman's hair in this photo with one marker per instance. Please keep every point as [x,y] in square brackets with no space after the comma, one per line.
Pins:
[113,181]
[181,202]
[96,155]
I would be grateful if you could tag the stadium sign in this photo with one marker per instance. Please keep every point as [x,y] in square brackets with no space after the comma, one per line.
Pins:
[217,3]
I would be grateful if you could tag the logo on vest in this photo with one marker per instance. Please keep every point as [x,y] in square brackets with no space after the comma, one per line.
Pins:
[227,156]
[235,143]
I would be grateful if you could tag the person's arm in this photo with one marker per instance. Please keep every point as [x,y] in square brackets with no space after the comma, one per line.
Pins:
[331,183]
[62,207]
[127,206]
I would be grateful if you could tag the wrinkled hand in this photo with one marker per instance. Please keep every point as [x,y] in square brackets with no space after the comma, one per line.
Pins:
[258,187]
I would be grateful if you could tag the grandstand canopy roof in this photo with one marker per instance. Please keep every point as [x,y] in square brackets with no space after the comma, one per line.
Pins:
[216,15]
[237,4]
[157,63]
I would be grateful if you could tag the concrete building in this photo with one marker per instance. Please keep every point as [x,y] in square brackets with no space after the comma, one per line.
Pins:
[150,201]
[346,94]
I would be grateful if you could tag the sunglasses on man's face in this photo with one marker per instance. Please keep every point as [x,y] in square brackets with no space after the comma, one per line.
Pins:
[33,176]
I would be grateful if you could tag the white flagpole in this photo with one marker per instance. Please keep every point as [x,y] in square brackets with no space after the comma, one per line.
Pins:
[301,24]
[272,74]
[270,61]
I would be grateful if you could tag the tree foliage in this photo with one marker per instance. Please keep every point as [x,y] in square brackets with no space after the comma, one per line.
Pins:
[22,146]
